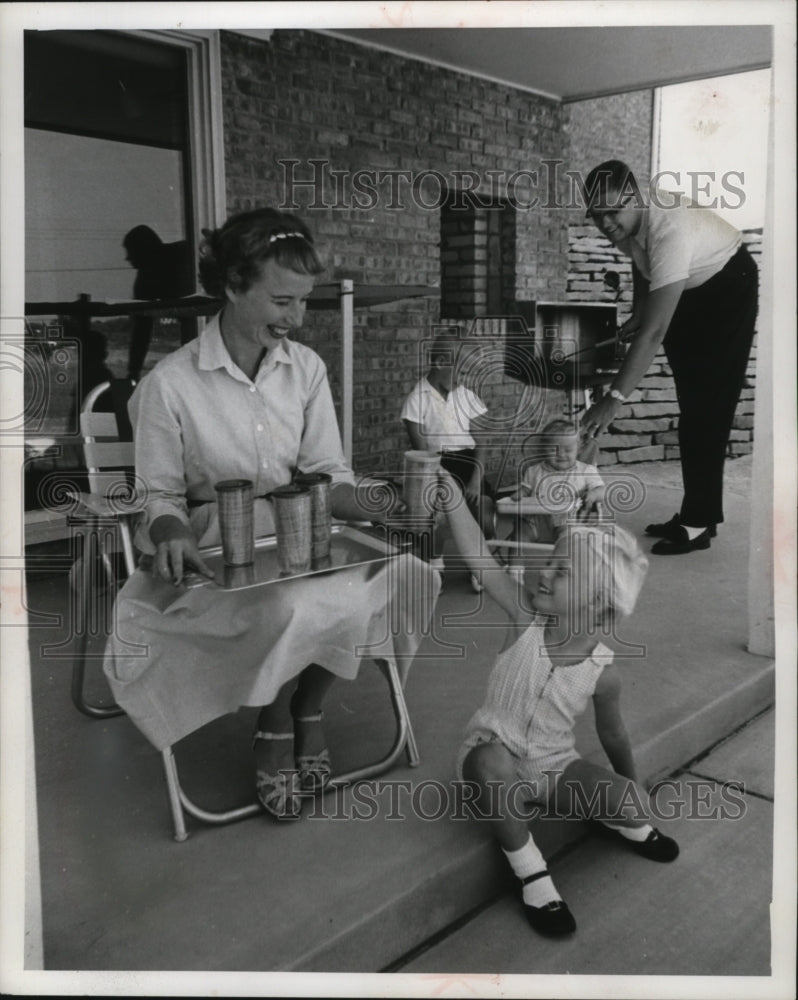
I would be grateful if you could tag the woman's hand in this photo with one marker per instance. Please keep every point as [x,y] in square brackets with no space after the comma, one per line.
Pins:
[172,558]
[600,415]
[176,550]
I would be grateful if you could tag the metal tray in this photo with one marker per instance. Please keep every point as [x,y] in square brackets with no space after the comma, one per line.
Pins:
[349,547]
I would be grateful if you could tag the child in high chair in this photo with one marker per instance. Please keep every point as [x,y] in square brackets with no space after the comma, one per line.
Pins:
[560,483]
[519,746]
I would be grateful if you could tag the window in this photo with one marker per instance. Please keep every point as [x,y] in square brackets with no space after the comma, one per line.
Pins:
[107,148]
[477,258]
[122,129]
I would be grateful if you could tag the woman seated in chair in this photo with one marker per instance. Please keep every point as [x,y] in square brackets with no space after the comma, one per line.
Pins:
[244,400]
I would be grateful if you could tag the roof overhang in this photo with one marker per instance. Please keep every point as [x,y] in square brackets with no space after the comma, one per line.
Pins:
[574,63]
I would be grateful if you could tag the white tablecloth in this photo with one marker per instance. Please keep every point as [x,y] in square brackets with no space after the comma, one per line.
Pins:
[180,657]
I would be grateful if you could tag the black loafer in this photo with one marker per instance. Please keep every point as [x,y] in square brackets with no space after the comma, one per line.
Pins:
[656,847]
[677,545]
[671,529]
[664,530]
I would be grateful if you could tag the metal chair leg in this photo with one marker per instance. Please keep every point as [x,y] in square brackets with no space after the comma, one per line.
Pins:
[400,710]
[180,803]
[173,790]
[404,739]
[82,604]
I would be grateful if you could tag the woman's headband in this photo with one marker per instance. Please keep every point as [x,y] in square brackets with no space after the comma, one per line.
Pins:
[285,236]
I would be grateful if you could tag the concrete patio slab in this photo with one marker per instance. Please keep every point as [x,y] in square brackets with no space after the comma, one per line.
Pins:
[748,761]
[637,917]
[377,869]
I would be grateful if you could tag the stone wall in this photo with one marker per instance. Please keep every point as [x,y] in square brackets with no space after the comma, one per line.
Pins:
[645,430]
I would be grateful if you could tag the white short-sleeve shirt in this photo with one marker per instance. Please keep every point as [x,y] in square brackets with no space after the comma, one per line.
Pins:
[678,240]
[445,422]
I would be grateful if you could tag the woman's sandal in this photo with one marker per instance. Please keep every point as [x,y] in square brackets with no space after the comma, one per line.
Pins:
[279,794]
[315,769]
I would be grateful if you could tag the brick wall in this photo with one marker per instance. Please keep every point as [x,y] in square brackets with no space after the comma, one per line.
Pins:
[335,109]
[609,128]
[303,96]
[646,429]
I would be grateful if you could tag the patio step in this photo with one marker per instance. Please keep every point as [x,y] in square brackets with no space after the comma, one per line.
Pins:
[475,874]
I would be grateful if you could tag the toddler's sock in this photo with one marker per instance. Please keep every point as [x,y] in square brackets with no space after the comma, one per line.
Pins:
[636,833]
[526,861]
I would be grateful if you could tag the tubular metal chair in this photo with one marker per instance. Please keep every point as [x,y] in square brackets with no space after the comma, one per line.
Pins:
[105,517]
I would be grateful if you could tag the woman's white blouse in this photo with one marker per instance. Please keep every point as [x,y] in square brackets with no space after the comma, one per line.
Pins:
[199,419]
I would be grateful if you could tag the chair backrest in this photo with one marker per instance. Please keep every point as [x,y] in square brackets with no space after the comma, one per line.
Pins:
[108,459]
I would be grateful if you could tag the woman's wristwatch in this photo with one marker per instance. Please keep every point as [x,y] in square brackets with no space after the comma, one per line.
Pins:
[617,395]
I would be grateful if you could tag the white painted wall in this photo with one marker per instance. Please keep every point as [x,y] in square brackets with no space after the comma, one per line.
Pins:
[714,127]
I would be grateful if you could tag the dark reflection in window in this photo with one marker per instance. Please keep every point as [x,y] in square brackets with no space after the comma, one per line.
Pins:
[102,84]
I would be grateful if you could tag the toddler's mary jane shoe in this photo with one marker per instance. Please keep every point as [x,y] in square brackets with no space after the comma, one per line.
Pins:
[552,920]
[656,847]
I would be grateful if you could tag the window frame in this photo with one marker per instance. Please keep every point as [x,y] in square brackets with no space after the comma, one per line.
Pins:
[205,120]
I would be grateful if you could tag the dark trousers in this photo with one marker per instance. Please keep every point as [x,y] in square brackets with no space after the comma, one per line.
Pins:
[707,345]
[461,465]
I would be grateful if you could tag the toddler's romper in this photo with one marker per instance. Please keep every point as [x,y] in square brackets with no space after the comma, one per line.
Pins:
[531,707]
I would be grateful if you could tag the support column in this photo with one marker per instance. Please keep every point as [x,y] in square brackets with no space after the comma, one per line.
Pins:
[761,625]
